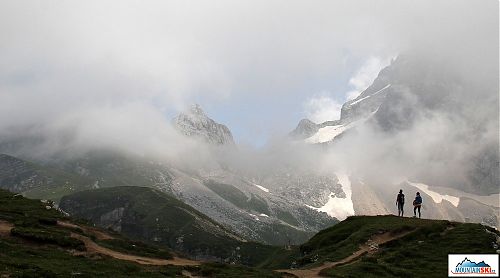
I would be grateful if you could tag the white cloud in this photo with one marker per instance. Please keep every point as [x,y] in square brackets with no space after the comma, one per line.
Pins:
[322,107]
[364,77]
[57,57]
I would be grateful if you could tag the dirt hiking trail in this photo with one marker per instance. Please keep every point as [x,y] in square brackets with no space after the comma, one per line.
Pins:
[94,248]
[369,247]
[88,230]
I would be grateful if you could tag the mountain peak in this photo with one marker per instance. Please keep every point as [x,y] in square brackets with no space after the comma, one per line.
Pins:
[196,109]
[195,123]
[304,129]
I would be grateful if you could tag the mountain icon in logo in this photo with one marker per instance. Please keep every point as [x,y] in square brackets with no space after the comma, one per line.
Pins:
[468,263]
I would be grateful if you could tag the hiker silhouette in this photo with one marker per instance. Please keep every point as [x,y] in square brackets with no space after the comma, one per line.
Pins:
[400,202]
[417,204]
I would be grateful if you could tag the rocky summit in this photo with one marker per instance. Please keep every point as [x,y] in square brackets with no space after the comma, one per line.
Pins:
[195,123]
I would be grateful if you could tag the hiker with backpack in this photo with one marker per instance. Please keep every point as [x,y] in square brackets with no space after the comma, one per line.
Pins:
[417,204]
[400,202]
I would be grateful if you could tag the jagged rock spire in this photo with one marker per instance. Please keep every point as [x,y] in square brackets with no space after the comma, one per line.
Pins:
[195,123]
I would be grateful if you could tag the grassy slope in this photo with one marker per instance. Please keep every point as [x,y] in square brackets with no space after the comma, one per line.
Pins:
[39,248]
[54,183]
[151,214]
[421,253]
[42,249]
[398,258]
[344,238]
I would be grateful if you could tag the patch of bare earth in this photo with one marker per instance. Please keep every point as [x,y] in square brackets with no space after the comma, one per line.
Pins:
[5,228]
[87,230]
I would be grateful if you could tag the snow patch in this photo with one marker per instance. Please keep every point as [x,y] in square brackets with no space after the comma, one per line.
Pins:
[363,98]
[261,188]
[264,215]
[438,198]
[339,208]
[254,216]
[326,134]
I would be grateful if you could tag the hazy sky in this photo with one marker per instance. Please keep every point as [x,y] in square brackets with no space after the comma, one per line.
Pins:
[256,66]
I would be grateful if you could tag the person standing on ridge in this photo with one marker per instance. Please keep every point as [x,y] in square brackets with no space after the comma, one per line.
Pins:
[400,202]
[417,204]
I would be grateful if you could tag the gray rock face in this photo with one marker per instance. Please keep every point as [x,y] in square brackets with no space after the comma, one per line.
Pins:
[304,188]
[17,175]
[195,123]
[112,219]
[304,129]
[485,174]
[370,99]
[262,213]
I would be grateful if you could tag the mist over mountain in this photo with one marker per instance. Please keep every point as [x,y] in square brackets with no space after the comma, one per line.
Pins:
[415,124]
[112,107]
[248,138]
[417,121]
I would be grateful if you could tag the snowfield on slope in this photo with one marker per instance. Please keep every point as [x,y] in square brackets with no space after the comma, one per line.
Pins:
[326,134]
[438,198]
[261,187]
[363,98]
[339,208]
